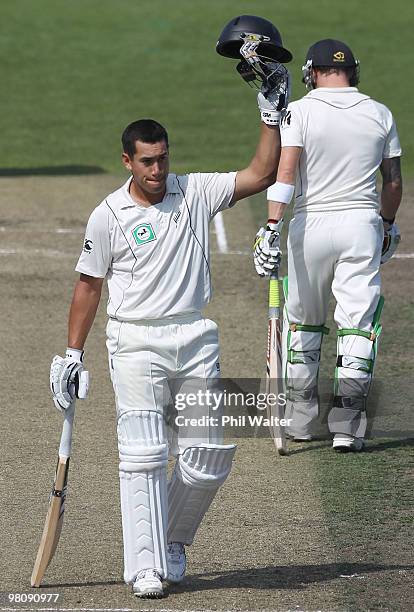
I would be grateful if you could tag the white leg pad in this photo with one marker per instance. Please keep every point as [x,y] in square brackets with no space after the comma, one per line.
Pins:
[301,358]
[198,474]
[143,456]
[353,381]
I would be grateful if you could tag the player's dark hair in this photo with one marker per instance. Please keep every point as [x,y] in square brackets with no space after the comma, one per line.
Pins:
[352,73]
[145,130]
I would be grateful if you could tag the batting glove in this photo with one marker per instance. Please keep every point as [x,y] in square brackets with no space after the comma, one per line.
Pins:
[392,238]
[273,77]
[267,253]
[68,379]
[273,97]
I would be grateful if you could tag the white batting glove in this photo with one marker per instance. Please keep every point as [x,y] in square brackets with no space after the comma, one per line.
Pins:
[392,238]
[273,77]
[267,253]
[273,97]
[68,379]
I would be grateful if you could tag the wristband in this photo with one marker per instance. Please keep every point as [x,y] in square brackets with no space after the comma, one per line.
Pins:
[75,354]
[281,192]
[274,226]
[270,117]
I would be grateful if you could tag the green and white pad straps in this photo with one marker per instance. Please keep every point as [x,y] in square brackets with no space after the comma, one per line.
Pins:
[356,355]
[301,358]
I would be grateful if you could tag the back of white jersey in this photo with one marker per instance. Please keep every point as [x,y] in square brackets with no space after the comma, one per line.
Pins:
[345,135]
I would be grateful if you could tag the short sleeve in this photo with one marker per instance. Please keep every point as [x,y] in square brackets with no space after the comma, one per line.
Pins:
[291,129]
[218,188]
[392,147]
[95,258]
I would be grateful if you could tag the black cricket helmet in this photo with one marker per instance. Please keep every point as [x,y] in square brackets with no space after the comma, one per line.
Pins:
[270,47]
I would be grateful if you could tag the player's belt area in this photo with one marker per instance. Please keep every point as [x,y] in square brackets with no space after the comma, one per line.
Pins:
[179,318]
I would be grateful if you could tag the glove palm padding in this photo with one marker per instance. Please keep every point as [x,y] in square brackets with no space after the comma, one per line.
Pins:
[392,238]
[273,100]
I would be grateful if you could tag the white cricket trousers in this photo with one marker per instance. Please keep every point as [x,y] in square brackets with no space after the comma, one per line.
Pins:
[339,253]
[152,362]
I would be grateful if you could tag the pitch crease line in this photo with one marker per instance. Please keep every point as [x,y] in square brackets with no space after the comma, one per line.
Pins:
[23,609]
[222,244]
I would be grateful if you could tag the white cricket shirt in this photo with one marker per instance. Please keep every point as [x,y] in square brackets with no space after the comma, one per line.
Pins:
[156,259]
[345,135]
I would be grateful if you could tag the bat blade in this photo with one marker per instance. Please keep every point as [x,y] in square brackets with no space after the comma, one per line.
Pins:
[53,522]
[54,517]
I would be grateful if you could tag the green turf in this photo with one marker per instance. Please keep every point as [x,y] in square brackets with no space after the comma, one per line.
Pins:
[367,500]
[75,73]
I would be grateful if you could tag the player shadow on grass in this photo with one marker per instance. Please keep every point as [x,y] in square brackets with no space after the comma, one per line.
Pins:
[69,170]
[54,585]
[277,577]
[280,577]
[372,445]
[296,448]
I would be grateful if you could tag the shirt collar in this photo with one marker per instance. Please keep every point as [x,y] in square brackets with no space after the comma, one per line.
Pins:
[172,184]
[322,90]
[171,187]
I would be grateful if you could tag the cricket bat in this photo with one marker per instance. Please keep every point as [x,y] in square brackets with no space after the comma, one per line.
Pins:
[274,379]
[56,510]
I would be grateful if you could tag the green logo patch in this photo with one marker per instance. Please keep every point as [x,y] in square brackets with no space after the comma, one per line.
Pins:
[144,233]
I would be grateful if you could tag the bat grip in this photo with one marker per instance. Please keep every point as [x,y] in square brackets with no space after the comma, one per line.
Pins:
[65,445]
[274,295]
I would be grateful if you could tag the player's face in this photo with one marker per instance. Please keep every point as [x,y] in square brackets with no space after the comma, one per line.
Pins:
[149,167]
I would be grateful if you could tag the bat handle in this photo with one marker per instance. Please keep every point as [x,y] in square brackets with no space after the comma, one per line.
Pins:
[274,295]
[65,445]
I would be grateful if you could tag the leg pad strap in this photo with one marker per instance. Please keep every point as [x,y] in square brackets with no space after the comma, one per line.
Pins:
[352,403]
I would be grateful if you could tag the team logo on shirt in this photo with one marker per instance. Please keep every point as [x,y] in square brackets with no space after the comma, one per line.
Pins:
[144,233]
[88,246]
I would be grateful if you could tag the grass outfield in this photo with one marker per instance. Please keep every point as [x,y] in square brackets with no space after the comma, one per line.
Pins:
[75,73]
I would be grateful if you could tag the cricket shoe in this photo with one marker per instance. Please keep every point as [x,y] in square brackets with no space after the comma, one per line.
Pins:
[148,584]
[343,443]
[176,562]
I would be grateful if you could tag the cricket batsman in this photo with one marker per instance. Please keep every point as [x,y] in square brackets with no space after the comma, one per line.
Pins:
[150,241]
[334,140]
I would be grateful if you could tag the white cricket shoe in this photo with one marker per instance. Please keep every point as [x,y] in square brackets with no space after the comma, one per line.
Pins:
[343,443]
[176,562]
[148,584]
